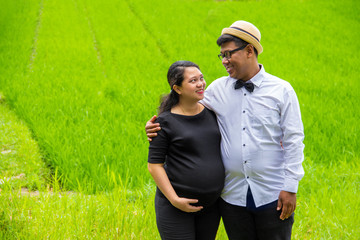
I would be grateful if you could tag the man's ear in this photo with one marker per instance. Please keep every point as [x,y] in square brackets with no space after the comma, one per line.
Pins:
[250,51]
[177,89]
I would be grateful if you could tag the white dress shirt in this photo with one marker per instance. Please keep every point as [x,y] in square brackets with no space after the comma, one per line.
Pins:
[253,126]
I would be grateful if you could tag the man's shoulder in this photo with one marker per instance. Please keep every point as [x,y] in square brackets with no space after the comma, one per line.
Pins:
[274,80]
[223,78]
[220,82]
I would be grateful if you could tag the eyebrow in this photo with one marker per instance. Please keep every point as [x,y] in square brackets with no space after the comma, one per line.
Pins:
[196,76]
[225,51]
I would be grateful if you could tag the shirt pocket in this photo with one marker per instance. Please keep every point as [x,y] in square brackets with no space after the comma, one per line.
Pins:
[265,122]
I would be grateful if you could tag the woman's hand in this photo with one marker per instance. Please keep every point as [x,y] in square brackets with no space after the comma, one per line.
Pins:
[161,179]
[184,204]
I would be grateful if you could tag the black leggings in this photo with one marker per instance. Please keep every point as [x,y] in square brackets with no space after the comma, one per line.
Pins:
[174,224]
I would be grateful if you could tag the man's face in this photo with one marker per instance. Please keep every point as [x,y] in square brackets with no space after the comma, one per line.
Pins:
[237,64]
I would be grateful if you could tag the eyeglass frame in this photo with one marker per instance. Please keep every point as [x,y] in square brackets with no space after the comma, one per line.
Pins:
[221,56]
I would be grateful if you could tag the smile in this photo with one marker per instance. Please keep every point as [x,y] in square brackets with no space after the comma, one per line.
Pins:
[201,91]
[228,68]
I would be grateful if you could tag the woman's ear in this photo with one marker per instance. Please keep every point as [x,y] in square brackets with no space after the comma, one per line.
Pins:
[177,89]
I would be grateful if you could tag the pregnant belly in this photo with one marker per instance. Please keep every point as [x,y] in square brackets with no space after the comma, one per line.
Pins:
[206,186]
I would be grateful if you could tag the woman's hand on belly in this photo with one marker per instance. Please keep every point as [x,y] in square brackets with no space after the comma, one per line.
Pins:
[184,204]
[161,179]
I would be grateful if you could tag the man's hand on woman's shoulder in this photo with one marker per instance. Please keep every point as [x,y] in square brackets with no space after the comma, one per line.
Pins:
[151,128]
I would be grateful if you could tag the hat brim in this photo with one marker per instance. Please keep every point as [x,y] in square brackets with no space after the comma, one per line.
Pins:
[244,36]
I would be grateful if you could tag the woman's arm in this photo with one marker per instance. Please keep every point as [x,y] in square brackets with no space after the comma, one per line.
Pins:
[161,179]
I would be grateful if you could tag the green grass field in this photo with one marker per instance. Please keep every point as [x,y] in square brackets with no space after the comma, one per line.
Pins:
[79,79]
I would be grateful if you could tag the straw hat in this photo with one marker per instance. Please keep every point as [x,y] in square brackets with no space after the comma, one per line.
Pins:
[247,32]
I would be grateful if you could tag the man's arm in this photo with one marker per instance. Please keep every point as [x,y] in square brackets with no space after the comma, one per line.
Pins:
[151,128]
[292,142]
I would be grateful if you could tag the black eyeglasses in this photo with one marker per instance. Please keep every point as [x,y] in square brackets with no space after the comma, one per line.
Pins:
[227,54]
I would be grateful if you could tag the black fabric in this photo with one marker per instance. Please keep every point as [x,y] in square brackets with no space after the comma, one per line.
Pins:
[251,223]
[250,204]
[190,148]
[248,85]
[176,224]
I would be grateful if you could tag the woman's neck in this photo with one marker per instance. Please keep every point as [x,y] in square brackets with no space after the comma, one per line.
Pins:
[187,109]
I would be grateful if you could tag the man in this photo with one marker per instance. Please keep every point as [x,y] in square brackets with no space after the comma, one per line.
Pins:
[262,139]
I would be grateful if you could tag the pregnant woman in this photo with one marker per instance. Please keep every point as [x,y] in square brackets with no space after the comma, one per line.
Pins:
[185,161]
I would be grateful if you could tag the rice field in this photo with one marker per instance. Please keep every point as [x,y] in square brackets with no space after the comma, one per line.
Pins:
[79,79]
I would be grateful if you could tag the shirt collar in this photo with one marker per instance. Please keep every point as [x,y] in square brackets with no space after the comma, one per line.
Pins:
[258,78]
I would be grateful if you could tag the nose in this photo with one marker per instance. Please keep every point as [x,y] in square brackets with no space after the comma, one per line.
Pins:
[225,60]
[201,84]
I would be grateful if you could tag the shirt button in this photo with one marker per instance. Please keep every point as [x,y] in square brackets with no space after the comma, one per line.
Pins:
[244,129]
[244,94]
[244,111]
[247,177]
[244,145]
[245,162]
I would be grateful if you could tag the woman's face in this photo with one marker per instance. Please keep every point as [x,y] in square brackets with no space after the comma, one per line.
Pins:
[193,85]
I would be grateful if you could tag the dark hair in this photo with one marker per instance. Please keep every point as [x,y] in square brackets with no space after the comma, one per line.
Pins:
[175,76]
[230,38]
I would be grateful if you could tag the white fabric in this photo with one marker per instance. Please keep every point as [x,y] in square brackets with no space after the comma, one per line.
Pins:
[252,126]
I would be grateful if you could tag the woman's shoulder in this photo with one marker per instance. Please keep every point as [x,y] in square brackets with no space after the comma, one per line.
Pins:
[163,117]
[210,112]
[168,117]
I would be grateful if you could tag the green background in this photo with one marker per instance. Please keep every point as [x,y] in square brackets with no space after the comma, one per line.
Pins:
[83,77]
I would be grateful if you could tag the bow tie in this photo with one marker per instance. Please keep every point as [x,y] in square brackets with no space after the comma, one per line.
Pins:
[248,85]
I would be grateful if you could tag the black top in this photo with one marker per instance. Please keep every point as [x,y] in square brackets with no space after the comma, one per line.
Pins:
[190,148]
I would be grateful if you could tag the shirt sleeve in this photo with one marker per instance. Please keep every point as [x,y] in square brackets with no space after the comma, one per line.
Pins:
[206,101]
[292,140]
[158,148]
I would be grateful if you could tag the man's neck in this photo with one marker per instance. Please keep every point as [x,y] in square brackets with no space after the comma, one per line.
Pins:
[253,71]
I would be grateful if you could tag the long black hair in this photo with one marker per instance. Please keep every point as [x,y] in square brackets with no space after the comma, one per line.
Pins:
[175,76]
